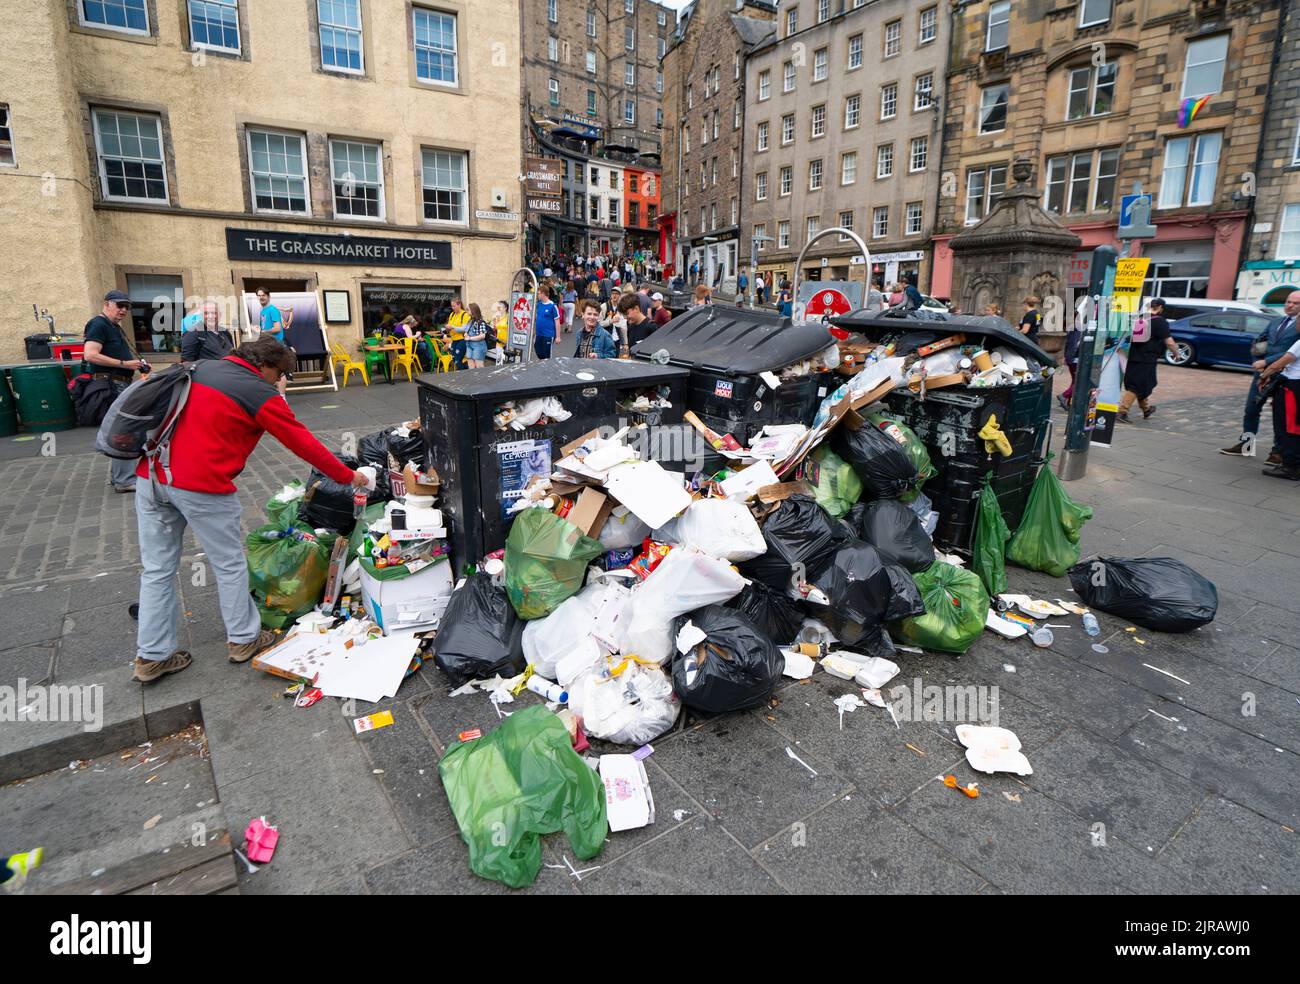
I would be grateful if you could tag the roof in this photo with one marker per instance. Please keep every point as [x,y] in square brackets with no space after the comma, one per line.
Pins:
[753,31]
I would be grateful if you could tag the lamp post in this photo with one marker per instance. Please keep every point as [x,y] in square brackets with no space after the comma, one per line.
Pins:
[753,266]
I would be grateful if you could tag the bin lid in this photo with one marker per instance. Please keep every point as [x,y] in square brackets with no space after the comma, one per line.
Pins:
[547,376]
[739,341]
[1001,332]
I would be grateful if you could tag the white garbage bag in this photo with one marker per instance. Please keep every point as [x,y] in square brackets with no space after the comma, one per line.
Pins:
[547,640]
[685,580]
[623,530]
[721,527]
[632,708]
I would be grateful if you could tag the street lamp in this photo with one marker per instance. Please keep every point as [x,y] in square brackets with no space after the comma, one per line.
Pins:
[753,265]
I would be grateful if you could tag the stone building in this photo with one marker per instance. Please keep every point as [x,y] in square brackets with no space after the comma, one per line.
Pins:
[703,133]
[1093,92]
[842,128]
[181,151]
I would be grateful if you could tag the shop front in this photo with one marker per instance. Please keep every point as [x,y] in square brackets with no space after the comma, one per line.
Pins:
[1268,282]
[717,256]
[897,267]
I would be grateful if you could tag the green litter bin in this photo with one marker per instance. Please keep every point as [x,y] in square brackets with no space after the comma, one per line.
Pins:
[41,395]
[8,412]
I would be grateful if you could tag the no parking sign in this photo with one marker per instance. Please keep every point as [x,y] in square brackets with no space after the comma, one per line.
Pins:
[821,298]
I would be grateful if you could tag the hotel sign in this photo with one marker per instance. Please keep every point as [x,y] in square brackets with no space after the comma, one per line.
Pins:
[296,247]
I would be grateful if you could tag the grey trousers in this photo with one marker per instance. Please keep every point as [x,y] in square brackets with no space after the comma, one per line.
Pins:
[162,514]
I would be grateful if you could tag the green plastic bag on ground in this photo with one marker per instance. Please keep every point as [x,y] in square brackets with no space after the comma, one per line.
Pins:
[989,550]
[1048,537]
[915,447]
[519,782]
[835,484]
[956,606]
[546,559]
[287,563]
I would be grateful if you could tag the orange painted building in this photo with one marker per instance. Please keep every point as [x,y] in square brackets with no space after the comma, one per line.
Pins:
[641,190]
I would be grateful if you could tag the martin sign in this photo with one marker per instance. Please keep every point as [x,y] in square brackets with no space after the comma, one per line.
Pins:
[295,247]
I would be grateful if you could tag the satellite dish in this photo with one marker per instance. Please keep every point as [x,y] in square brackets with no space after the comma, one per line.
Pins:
[661,357]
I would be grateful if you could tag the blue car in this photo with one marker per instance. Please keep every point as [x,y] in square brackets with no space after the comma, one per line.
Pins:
[1216,338]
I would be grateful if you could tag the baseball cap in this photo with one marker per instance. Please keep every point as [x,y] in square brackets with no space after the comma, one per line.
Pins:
[656,296]
[117,295]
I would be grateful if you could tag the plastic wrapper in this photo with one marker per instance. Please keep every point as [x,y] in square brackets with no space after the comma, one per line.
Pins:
[479,635]
[548,640]
[836,486]
[897,534]
[735,668]
[1157,593]
[722,527]
[624,701]
[623,530]
[883,465]
[546,560]
[777,614]
[865,593]
[956,607]
[287,564]
[1048,537]
[687,579]
[328,504]
[799,532]
[516,783]
[989,547]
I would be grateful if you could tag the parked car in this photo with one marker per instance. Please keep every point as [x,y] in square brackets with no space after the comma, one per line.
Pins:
[1217,337]
[1177,308]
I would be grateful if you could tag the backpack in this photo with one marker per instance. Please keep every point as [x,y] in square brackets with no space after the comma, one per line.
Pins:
[1141,331]
[143,418]
[91,398]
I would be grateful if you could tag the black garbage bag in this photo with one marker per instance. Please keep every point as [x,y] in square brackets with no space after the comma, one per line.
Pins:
[799,532]
[772,610]
[864,592]
[327,504]
[880,461]
[735,668]
[1157,593]
[479,635]
[406,449]
[895,530]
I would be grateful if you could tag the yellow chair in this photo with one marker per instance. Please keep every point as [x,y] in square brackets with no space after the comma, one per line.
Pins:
[445,363]
[340,357]
[407,358]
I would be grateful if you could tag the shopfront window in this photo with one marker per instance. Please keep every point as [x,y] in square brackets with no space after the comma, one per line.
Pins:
[383,305]
[157,306]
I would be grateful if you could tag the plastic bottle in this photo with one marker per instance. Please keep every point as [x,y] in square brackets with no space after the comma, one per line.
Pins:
[548,689]
[1090,624]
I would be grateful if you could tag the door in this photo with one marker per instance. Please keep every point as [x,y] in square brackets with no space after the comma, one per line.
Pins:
[1220,336]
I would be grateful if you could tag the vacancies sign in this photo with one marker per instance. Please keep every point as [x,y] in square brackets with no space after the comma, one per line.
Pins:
[296,247]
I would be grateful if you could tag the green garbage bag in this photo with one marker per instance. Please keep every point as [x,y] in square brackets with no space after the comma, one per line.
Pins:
[1048,537]
[288,563]
[546,559]
[915,447]
[520,781]
[956,606]
[989,550]
[374,512]
[835,484]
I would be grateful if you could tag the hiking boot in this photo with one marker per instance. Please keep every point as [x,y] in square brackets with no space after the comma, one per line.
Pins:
[1237,450]
[1274,458]
[242,652]
[149,670]
[1148,411]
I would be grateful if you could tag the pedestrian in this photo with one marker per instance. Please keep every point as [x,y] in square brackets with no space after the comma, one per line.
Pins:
[644,299]
[895,294]
[476,335]
[232,403]
[1286,410]
[638,326]
[912,295]
[456,323]
[742,285]
[500,331]
[660,312]
[594,342]
[547,316]
[570,301]
[1268,347]
[208,340]
[760,288]
[271,319]
[703,295]
[784,304]
[1071,356]
[1140,373]
[1031,319]
[107,356]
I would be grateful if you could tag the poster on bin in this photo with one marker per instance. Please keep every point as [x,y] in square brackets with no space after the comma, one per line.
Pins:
[521,320]
[521,462]
[830,298]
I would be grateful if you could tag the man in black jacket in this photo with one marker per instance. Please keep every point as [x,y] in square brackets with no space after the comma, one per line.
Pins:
[209,340]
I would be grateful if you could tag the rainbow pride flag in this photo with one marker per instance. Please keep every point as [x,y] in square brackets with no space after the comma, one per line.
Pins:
[1189,111]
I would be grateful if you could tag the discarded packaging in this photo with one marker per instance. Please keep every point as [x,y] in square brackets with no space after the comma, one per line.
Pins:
[629,804]
[993,750]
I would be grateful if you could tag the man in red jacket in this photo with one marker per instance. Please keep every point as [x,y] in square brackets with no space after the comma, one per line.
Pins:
[232,403]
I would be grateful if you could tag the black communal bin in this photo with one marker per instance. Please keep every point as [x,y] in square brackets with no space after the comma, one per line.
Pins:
[478,465]
[725,349]
[949,420]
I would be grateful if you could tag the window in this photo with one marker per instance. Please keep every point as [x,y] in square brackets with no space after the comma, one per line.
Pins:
[629,6]
[591,109]
[553,87]
[919,155]
[633,183]
[815,175]
[686,138]
[130,16]
[215,24]
[650,212]
[819,65]
[595,177]
[761,143]
[1103,196]
[690,97]
[435,48]
[787,129]
[629,110]
[445,186]
[591,23]
[1288,237]
[713,216]
[787,84]
[278,165]
[629,73]
[1082,182]
[1203,73]
[787,181]
[984,186]
[1175,188]
[713,170]
[659,116]
[340,35]
[659,82]
[661,18]
[594,212]
[662,47]
[823,11]
[999,26]
[735,115]
[764,84]
[852,112]
[924,98]
[1295,157]
[893,38]
[131,164]
[1093,12]
[885,160]
[889,101]
[760,234]
[735,66]
[357,172]
[783,235]
[7,158]
[849,168]
[791,21]
[552,11]
[717,118]
[760,187]
[993,108]
[629,40]
[880,222]
[813,225]
[553,49]
[929,25]
[819,121]
[1092,91]
[591,62]
[855,51]
[913,226]
[734,207]
[613,211]
[846,222]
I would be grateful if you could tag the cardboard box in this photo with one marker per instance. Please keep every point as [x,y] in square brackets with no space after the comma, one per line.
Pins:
[408,602]
[590,511]
[629,804]
[419,483]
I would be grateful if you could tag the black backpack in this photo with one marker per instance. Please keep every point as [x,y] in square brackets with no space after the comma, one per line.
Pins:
[142,419]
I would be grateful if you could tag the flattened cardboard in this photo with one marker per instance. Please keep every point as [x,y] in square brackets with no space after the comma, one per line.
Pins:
[591,511]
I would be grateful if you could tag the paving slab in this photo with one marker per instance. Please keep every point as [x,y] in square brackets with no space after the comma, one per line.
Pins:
[443,867]
[34,613]
[1226,848]
[407,764]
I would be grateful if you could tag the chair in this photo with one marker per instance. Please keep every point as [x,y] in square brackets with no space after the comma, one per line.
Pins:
[340,357]
[445,363]
[407,358]
[376,359]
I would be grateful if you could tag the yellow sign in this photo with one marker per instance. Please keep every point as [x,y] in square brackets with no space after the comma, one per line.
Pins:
[1130,272]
